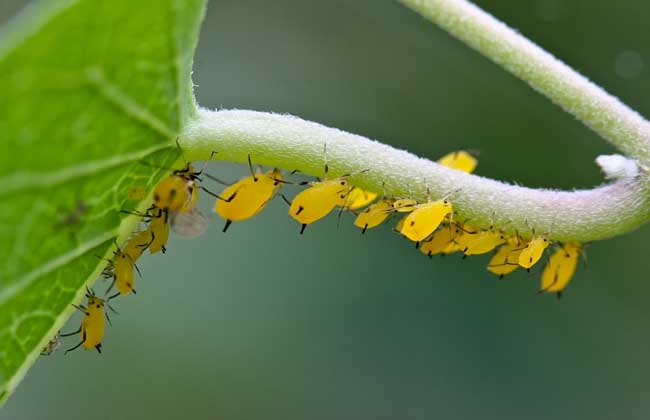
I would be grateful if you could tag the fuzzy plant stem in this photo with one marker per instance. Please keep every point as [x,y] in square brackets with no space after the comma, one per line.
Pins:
[597,109]
[289,142]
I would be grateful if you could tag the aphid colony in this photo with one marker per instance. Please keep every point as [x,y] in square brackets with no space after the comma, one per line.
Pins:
[429,224]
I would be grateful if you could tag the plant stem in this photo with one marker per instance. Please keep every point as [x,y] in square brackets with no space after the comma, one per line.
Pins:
[292,143]
[597,109]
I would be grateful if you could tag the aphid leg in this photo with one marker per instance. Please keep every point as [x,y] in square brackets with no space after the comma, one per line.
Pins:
[75,347]
[110,287]
[559,294]
[338,218]
[417,245]
[138,270]
[108,319]
[135,213]
[113,296]
[285,199]
[217,196]
[302,228]
[71,333]
[112,309]
[365,227]
[99,348]
[226,226]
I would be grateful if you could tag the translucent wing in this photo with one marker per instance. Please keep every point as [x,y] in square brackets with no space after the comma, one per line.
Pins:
[189,224]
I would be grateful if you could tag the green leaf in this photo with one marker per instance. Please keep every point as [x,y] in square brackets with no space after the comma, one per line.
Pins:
[90,90]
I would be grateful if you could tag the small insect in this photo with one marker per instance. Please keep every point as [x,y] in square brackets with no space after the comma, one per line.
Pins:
[72,218]
[159,227]
[177,192]
[51,346]
[439,242]
[358,198]
[506,259]
[405,205]
[560,268]
[248,196]
[320,198]
[92,325]
[483,242]
[138,243]
[425,219]
[460,160]
[136,193]
[533,251]
[374,215]
[121,268]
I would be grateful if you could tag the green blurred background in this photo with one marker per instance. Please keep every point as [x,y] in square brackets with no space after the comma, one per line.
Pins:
[262,323]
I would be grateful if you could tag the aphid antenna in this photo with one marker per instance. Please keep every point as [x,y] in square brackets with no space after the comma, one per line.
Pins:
[109,306]
[81,309]
[137,269]
[362,171]
[103,258]
[450,193]
[205,163]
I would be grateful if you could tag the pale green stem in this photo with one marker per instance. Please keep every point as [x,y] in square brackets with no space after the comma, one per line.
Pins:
[597,109]
[289,142]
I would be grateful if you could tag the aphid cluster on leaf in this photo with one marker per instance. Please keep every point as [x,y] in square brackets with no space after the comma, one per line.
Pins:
[429,224]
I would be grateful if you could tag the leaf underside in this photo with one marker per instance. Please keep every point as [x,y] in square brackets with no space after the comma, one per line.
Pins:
[91,91]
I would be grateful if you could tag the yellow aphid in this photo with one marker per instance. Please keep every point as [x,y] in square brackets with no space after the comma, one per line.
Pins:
[178,191]
[159,226]
[121,268]
[358,198]
[404,205]
[425,219]
[533,251]
[461,235]
[506,259]
[560,268]
[483,242]
[439,242]
[373,215]
[318,201]
[138,243]
[248,196]
[460,160]
[92,325]
[136,193]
